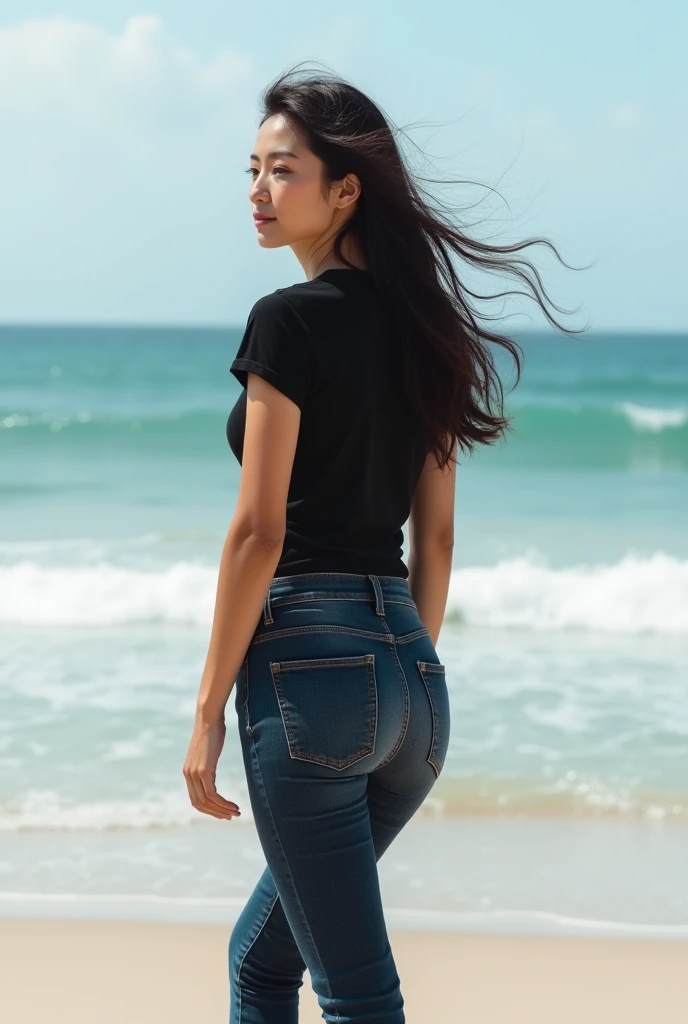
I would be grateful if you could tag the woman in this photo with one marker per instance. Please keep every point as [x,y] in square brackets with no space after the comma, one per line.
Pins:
[358,385]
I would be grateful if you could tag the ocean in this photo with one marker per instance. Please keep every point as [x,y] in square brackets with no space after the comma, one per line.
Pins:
[563,804]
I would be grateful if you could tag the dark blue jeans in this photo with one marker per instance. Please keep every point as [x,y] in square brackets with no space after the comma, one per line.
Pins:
[343,716]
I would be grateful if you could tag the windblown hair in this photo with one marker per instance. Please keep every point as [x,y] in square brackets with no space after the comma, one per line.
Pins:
[448,368]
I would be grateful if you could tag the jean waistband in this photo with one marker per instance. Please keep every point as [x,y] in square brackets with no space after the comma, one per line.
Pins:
[331,585]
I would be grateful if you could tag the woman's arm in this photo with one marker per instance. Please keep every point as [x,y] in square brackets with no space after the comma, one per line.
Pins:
[431,542]
[254,540]
[247,567]
[250,555]
[430,569]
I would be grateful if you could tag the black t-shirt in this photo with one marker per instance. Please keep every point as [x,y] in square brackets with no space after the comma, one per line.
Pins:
[329,346]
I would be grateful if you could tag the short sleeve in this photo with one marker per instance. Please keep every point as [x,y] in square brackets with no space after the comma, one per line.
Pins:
[276,345]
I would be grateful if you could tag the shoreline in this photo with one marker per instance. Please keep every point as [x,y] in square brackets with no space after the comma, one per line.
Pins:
[477,875]
[112,971]
[148,909]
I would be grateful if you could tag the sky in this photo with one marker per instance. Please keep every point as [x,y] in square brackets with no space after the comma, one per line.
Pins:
[126,132]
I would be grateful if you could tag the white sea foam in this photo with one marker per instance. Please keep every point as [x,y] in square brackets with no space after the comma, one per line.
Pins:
[49,810]
[106,594]
[495,920]
[575,798]
[633,595]
[644,417]
[39,809]
[636,594]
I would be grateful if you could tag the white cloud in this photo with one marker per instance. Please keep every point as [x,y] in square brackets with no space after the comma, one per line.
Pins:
[83,75]
[628,114]
[120,178]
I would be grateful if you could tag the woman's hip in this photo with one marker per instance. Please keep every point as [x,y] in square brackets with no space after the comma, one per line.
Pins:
[323,698]
[337,665]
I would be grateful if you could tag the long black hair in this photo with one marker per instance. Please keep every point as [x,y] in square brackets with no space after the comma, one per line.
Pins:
[448,369]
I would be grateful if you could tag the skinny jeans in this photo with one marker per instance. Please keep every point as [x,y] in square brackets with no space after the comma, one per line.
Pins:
[343,716]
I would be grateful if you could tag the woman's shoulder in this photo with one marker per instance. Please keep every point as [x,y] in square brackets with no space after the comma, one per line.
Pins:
[336,296]
[301,302]
[301,294]
[309,293]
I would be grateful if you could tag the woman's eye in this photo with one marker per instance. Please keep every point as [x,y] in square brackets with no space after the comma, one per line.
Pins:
[250,170]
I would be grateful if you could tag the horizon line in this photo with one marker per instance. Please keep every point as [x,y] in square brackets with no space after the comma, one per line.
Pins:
[219,325]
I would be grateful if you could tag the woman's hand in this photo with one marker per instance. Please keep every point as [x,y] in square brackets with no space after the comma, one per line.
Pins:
[200,769]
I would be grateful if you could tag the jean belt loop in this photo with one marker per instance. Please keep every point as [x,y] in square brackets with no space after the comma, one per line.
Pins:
[379,601]
[267,610]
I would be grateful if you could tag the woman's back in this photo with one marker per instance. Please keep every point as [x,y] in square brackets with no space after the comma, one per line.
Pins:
[328,344]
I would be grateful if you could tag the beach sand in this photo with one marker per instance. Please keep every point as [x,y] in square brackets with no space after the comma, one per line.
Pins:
[114,972]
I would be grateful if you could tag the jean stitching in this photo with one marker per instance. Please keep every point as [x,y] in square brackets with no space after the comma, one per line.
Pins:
[408,637]
[278,600]
[388,631]
[278,634]
[404,725]
[353,660]
[282,708]
[375,704]
[250,947]
[259,774]
[348,575]
[337,763]
[246,720]
[432,756]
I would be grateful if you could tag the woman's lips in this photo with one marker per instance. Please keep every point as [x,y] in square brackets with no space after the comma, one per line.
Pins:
[264,220]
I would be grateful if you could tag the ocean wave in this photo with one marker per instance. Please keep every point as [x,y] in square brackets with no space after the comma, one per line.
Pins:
[105,594]
[644,417]
[577,421]
[572,796]
[567,415]
[84,424]
[46,810]
[635,595]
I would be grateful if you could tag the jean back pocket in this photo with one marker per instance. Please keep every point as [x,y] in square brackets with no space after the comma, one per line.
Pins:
[328,707]
[434,677]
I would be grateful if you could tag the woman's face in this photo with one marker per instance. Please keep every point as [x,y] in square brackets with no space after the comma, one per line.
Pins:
[286,185]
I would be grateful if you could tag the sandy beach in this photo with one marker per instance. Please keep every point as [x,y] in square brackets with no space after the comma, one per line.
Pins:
[83,972]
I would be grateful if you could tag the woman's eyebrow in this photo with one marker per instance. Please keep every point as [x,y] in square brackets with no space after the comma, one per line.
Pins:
[277,152]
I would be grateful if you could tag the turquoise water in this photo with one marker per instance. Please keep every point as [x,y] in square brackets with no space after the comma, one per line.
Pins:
[566,636]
